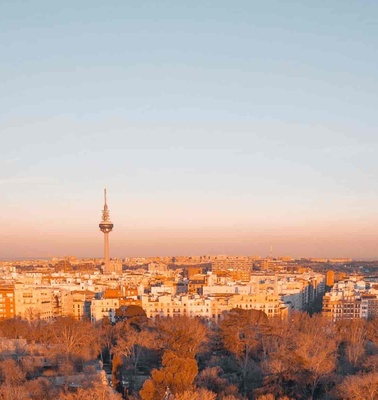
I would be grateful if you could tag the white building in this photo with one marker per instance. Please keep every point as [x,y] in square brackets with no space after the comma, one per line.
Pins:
[33,302]
[101,308]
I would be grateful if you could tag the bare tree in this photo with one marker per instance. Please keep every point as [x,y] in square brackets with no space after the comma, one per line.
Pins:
[96,392]
[183,335]
[107,335]
[15,328]
[177,374]
[299,355]
[241,331]
[353,338]
[199,394]
[13,392]
[317,358]
[13,379]
[74,338]
[132,344]
[41,389]
[359,387]
[11,373]
[210,379]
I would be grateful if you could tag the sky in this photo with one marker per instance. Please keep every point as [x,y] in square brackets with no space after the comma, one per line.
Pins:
[217,127]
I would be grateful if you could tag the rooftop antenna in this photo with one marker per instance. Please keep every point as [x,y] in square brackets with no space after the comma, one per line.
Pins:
[105,211]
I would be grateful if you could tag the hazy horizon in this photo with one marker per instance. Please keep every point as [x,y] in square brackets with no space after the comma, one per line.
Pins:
[217,128]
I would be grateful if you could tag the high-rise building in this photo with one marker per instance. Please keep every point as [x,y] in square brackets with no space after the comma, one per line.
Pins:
[330,278]
[106,226]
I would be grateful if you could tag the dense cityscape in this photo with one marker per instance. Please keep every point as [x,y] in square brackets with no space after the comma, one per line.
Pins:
[188,327]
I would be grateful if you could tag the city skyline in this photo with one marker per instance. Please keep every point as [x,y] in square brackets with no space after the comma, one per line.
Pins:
[216,128]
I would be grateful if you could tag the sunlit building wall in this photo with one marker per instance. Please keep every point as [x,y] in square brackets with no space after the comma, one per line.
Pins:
[101,308]
[81,304]
[330,278]
[211,307]
[350,299]
[34,302]
[7,302]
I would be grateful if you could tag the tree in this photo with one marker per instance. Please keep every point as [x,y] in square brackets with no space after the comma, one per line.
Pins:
[316,356]
[274,356]
[199,394]
[107,334]
[359,387]
[13,392]
[15,328]
[353,338]
[177,374]
[11,373]
[182,335]
[295,359]
[96,392]
[136,348]
[41,389]
[372,331]
[74,339]
[132,344]
[241,331]
[210,379]
[131,311]
[13,379]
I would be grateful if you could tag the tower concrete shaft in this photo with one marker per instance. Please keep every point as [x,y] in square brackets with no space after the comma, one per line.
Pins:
[106,226]
[106,249]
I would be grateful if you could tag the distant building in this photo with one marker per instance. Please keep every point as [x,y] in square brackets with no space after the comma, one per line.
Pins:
[113,266]
[157,267]
[350,299]
[339,308]
[81,304]
[268,264]
[330,278]
[7,302]
[224,263]
[211,307]
[369,306]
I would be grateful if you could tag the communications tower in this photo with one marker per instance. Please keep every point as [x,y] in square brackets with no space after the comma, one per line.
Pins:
[106,226]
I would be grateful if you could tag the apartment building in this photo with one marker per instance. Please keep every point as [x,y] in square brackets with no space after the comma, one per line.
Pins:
[350,299]
[110,300]
[33,302]
[369,305]
[101,308]
[63,302]
[271,304]
[211,307]
[7,302]
[81,304]
[347,306]
[224,263]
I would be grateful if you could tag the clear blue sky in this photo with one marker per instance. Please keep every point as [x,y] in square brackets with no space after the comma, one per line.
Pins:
[218,127]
